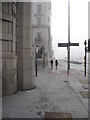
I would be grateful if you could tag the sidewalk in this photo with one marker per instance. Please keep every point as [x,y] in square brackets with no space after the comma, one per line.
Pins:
[54,92]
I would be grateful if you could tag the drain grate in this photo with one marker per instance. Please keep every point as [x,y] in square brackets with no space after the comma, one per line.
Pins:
[84,81]
[59,115]
[85,94]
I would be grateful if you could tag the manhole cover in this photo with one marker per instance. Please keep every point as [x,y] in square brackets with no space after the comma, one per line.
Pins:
[85,94]
[85,87]
[60,116]
[65,81]
[84,81]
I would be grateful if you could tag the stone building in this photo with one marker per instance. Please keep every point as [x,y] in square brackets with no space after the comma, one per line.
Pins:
[25,64]
[0,51]
[89,20]
[9,58]
[88,39]
[41,29]
[16,47]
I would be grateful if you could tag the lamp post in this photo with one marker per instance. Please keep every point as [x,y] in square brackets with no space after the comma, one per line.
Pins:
[43,56]
[36,52]
[68,48]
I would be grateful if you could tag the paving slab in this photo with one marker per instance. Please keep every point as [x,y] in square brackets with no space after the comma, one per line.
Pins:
[85,94]
[84,81]
[54,92]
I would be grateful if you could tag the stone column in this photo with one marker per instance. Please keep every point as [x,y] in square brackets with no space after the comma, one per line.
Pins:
[24,47]
[9,59]
[0,60]
[0,48]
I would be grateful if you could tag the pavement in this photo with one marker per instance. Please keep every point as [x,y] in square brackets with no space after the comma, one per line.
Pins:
[55,91]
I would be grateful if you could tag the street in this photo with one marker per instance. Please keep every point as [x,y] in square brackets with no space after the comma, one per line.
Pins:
[55,91]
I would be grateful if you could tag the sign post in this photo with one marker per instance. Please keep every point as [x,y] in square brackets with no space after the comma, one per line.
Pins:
[68,44]
[68,68]
[68,48]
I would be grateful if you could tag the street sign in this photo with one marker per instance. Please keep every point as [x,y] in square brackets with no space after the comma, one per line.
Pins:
[62,44]
[74,44]
[68,48]
[67,45]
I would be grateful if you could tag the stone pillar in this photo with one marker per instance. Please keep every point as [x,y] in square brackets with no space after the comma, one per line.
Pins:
[0,60]
[24,47]
[0,48]
[9,59]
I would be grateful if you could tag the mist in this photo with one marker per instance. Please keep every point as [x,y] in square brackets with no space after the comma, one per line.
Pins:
[78,27]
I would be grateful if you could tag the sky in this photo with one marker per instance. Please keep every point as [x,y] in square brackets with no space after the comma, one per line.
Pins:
[78,27]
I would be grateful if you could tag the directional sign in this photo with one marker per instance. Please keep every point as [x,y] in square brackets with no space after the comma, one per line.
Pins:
[62,44]
[74,44]
[67,45]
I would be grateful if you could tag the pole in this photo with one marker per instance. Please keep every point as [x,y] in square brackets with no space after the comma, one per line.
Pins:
[36,64]
[85,63]
[85,57]
[36,51]
[43,57]
[68,64]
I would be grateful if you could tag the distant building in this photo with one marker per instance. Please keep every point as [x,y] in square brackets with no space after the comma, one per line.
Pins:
[88,20]
[41,29]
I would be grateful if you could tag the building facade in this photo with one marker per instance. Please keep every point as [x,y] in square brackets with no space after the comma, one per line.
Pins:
[88,39]
[0,52]
[16,47]
[23,25]
[9,58]
[41,30]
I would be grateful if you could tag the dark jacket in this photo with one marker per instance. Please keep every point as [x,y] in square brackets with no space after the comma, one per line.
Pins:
[56,62]
[51,62]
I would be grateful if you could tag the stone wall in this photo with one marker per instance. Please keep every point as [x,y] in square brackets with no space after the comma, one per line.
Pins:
[17,61]
[0,49]
[89,52]
[9,59]
[0,60]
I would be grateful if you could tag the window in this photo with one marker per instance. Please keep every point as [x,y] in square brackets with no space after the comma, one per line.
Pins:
[48,19]
[39,55]
[38,21]
[39,9]
[38,36]
[49,5]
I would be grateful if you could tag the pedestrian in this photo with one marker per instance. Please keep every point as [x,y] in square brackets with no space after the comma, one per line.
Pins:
[56,63]
[51,63]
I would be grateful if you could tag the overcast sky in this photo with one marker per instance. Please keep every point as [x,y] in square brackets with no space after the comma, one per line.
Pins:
[78,26]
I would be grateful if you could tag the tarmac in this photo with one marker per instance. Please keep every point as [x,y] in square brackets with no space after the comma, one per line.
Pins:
[55,91]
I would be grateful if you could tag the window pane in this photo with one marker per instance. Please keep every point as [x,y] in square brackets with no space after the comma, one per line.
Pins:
[38,9]
[38,21]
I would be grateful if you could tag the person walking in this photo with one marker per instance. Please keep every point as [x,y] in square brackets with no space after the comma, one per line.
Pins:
[56,63]
[51,63]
